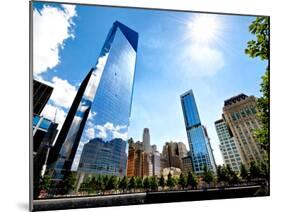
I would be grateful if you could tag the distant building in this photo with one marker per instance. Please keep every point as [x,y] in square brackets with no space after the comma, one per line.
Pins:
[156,164]
[172,155]
[146,140]
[142,163]
[198,139]
[240,114]
[228,147]
[187,164]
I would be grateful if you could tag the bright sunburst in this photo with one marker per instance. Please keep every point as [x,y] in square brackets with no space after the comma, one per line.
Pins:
[204,28]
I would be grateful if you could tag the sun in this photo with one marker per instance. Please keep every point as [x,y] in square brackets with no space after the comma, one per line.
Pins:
[204,28]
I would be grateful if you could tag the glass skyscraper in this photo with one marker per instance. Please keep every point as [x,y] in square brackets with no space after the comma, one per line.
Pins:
[105,94]
[199,142]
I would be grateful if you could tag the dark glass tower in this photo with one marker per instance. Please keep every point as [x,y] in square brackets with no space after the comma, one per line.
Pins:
[111,106]
[106,93]
[199,142]
[41,95]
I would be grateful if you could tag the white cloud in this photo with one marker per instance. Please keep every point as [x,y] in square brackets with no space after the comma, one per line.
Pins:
[109,130]
[203,60]
[90,133]
[52,26]
[54,114]
[63,93]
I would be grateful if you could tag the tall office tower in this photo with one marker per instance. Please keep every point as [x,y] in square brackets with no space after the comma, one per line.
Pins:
[228,147]
[146,140]
[241,116]
[172,155]
[107,92]
[199,144]
[41,95]
[187,164]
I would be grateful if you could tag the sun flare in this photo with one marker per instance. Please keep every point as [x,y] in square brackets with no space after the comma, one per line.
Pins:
[204,28]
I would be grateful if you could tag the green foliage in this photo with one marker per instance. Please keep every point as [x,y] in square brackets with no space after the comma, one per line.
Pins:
[260,48]
[162,182]
[208,176]
[105,180]
[146,183]
[99,183]
[154,183]
[139,183]
[132,183]
[170,181]
[45,183]
[262,134]
[191,180]
[69,182]
[244,173]
[124,183]
[182,181]
[112,183]
[231,175]
[255,171]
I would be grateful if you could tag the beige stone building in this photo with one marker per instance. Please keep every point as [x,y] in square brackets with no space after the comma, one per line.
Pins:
[240,114]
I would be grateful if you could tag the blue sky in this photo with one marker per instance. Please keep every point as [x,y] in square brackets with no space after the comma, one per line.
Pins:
[170,60]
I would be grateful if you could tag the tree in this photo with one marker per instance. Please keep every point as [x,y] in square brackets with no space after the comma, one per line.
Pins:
[123,183]
[208,176]
[132,183]
[221,174]
[264,170]
[182,181]
[69,182]
[231,175]
[112,183]
[99,184]
[260,48]
[170,181]
[146,183]
[191,180]
[254,170]
[244,174]
[162,182]
[45,183]
[154,183]
[139,183]
[105,180]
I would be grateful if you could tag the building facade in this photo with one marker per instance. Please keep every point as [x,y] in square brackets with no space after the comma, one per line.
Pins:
[172,155]
[228,147]
[104,158]
[187,164]
[199,142]
[142,163]
[105,94]
[240,114]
